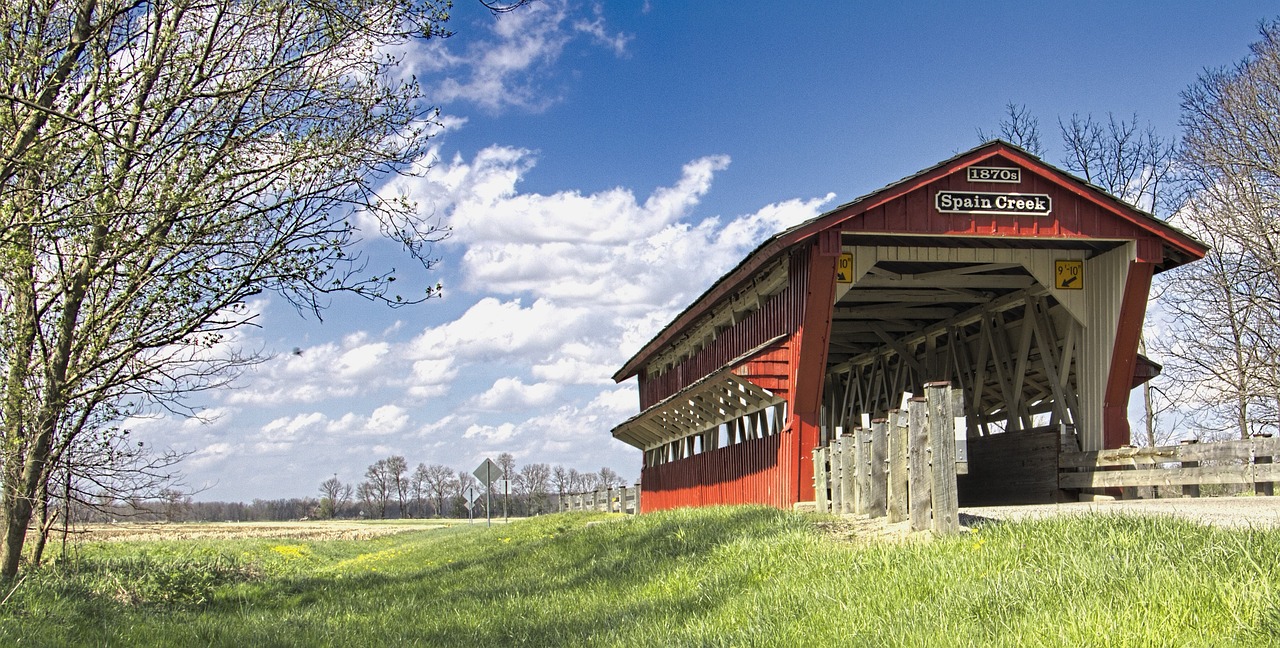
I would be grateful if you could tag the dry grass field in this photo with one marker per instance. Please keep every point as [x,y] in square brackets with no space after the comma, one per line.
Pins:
[303,530]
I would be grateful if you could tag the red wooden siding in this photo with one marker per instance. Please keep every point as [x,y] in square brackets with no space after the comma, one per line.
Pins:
[780,315]
[916,213]
[745,473]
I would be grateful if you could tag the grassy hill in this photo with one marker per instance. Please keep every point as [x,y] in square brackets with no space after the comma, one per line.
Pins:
[740,576]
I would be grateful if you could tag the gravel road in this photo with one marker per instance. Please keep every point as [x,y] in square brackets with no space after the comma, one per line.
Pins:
[1234,512]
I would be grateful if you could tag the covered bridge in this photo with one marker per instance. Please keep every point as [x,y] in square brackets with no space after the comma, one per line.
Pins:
[1022,285]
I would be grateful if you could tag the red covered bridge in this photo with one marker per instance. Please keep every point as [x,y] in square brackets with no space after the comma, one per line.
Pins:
[1021,284]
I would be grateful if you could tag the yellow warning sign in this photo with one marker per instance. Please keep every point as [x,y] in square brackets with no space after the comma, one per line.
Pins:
[1068,274]
[844,269]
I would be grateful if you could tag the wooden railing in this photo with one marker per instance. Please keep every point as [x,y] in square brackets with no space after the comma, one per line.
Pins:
[1187,465]
[902,467]
[625,499]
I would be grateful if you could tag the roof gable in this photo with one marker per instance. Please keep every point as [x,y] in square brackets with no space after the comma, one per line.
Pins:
[915,206]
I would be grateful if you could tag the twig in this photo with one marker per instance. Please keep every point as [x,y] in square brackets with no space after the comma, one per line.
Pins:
[15,588]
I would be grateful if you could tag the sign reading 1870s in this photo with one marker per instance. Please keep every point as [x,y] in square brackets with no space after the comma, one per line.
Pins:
[980,202]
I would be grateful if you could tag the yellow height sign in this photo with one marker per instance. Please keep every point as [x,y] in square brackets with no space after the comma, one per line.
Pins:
[844,269]
[1068,274]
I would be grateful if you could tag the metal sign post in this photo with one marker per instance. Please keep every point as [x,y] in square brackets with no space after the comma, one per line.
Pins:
[488,472]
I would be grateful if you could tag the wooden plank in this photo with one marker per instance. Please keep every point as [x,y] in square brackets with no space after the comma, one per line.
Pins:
[897,433]
[820,483]
[878,501]
[942,436]
[920,505]
[848,465]
[1158,477]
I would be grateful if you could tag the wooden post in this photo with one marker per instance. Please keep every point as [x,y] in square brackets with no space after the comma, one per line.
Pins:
[897,466]
[820,480]
[1190,490]
[876,467]
[864,471]
[942,439]
[834,476]
[1261,458]
[637,498]
[920,490]
[848,472]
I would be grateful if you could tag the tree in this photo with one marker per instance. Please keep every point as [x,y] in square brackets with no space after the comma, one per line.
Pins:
[1132,163]
[334,495]
[562,483]
[379,486]
[507,463]
[532,483]
[1230,156]
[610,479]
[163,162]
[441,483]
[396,468]
[1019,127]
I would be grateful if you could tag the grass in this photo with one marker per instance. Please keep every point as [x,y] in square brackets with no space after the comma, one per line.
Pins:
[739,576]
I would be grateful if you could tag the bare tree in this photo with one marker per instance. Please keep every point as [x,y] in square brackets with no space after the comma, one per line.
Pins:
[533,482]
[379,486]
[1129,161]
[441,483]
[397,469]
[507,463]
[1018,127]
[610,479]
[561,481]
[1230,156]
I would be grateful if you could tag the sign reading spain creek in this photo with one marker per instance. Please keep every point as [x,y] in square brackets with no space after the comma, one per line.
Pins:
[981,202]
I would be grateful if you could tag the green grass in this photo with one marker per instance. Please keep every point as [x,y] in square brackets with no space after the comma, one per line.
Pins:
[741,576]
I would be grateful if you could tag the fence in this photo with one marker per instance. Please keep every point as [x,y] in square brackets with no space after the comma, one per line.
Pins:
[902,467]
[1187,466]
[625,499]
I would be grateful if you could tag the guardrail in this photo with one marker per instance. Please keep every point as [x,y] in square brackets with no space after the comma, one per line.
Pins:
[624,499]
[1188,465]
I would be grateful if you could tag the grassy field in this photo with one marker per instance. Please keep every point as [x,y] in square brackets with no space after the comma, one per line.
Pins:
[740,576]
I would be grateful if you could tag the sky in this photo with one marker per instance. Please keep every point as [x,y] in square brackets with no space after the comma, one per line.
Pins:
[601,164]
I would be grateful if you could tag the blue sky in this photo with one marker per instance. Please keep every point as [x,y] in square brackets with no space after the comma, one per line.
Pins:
[602,164]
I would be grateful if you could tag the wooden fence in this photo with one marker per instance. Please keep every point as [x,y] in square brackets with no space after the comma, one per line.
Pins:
[902,467]
[625,499]
[1187,466]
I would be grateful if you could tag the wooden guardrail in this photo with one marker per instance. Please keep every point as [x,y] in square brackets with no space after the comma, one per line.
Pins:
[1189,465]
[903,467]
[625,499]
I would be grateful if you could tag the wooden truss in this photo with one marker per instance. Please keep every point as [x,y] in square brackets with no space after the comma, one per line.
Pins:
[990,329]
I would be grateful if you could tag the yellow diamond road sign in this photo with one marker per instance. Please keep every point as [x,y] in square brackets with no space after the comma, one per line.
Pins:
[1068,274]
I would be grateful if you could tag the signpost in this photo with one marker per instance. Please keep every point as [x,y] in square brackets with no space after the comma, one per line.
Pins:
[487,473]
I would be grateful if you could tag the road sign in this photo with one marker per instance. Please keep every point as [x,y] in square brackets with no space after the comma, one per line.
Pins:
[844,268]
[488,472]
[471,494]
[1068,274]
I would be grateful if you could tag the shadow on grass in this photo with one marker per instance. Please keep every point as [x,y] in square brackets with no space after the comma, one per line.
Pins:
[548,582]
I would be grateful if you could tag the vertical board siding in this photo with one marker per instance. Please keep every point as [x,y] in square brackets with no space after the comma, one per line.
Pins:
[745,473]
[780,315]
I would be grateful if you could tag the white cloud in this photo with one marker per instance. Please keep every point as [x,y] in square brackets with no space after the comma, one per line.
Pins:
[511,394]
[512,65]
[599,33]
[491,433]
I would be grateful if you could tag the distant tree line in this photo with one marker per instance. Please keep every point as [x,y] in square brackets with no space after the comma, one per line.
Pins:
[389,490]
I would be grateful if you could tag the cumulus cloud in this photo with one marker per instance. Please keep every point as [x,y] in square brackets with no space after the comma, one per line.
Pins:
[512,394]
